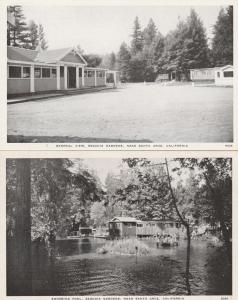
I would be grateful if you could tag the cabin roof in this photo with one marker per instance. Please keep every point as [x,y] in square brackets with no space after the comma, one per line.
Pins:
[124,219]
[226,67]
[21,54]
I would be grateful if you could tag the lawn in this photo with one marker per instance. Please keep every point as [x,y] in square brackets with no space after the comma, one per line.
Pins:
[135,113]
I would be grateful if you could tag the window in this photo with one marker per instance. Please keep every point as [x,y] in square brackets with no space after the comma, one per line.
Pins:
[218,74]
[62,72]
[37,72]
[26,72]
[139,225]
[14,72]
[85,73]
[228,74]
[53,73]
[45,72]
[90,74]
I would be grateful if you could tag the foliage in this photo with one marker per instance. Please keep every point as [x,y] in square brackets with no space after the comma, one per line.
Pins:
[33,36]
[93,60]
[57,194]
[137,38]
[18,34]
[42,41]
[125,247]
[222,43]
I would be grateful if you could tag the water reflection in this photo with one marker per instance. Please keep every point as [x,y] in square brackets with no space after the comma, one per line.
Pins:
[79,270]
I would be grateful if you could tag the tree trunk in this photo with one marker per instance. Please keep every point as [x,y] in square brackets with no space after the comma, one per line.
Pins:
[186,224]
[23,271]
[188,260]
[220,213]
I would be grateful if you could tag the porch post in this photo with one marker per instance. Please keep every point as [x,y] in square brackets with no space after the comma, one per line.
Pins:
[83,76]
[58,77]
[114,78]
[95,78]
[65,77]
[105,74]
[32,80]
[77,77]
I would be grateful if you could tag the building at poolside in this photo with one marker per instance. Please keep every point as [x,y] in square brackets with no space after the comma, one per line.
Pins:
[31,71]
[124,227]
[222,76]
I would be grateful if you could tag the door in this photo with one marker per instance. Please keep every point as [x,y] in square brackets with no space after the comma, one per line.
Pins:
[71,77]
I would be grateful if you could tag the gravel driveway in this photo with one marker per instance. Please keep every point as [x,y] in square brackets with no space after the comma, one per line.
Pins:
[155,113]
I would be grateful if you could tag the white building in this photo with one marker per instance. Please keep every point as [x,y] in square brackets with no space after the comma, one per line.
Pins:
[224,75]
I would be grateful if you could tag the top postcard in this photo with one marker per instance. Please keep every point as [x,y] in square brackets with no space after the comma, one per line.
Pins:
[119,77]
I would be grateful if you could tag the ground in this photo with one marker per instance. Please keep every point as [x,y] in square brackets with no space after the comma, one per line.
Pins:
[134,113]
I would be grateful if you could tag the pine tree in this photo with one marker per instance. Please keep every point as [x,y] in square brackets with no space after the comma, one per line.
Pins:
[195,46]
[18,34]
[42,41]
[123,61]
[33,35]
[149,33]
[222,43]
[186,47]
[137,38]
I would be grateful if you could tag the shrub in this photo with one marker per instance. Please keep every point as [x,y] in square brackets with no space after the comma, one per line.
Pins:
[125,247]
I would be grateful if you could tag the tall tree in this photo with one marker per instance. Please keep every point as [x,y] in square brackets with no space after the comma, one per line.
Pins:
[186,47]
[149,33]
[137,38]
[123,61]
[42,40]
[222,43]
[217,176]
[18,34]
[33,36]
[23,228]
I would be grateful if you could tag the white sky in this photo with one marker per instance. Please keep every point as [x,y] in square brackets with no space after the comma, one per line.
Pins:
[103,166]
[101,29]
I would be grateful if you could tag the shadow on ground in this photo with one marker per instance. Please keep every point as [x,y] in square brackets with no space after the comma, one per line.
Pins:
[67,139]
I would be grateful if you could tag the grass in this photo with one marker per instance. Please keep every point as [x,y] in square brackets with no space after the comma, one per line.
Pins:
[125,247]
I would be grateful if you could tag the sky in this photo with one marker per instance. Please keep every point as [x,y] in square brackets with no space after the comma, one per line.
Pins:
[102,29]
[103,166]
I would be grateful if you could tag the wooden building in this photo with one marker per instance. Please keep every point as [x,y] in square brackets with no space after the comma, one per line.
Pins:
[31,71]
[204,75]
[120,227]
[157,227]
[222,76]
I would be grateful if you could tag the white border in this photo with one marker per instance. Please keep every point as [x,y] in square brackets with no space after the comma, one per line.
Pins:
[111,154]
[113,146]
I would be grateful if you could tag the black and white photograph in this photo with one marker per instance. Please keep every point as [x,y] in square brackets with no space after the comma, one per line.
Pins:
[119,226]
[120,74]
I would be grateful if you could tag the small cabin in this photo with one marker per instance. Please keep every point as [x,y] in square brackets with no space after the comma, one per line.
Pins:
[224,76]
[157,227]
[120,227]
[206,75]
[162,77]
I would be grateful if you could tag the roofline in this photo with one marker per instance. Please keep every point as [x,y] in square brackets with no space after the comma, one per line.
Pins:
[69,50]
[30,63]
[92,68]
[22,48]
[204,68]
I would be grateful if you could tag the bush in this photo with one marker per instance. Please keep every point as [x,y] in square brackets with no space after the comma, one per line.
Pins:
[125,247]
